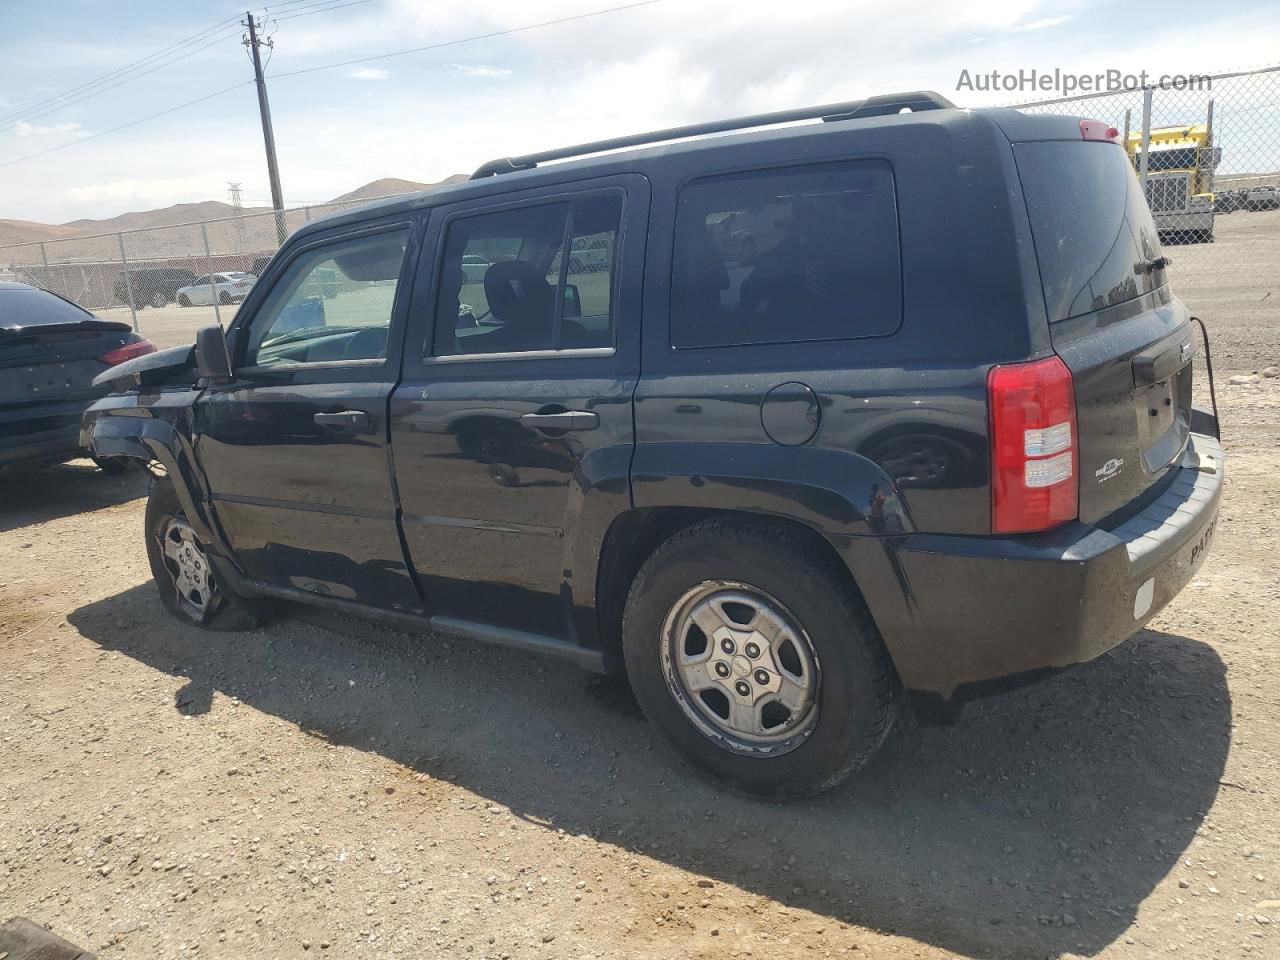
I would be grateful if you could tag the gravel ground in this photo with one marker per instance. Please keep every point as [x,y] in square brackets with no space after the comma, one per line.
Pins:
[329,787]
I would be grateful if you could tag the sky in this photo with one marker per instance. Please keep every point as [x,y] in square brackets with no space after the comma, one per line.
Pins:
[428,114]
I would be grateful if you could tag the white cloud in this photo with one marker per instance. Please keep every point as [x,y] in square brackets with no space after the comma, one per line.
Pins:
[367,73]
[36,130]
[482,70]
[1041,24]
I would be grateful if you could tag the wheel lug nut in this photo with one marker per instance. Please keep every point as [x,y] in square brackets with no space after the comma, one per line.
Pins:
[722,668]
[727,646]
[762,677]
[743,688]
[753,650]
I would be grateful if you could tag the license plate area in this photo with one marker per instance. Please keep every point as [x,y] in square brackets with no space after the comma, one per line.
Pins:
[1163,411]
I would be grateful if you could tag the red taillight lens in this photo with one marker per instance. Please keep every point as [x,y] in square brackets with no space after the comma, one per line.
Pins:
[1033,446]
[139,348]
[1097,130]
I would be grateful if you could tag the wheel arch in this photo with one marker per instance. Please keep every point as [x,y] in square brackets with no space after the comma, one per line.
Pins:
[636,534]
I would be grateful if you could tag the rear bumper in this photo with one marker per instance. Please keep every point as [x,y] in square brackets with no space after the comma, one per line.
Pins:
[978,609]
[51,446]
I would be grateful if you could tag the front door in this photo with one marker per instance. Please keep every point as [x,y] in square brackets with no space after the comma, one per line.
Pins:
[295,446]
[514,414]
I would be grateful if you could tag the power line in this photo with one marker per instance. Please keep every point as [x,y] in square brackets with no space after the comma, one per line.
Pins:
[171,54]
[331,66]
[131,123]
[482,36]
[335,5]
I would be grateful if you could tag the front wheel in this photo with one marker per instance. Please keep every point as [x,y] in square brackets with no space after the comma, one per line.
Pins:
[180,566]
[755,657]
[158,299]
[184,301]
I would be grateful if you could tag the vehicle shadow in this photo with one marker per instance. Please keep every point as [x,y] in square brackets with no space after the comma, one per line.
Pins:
[69,488]
[1034,826]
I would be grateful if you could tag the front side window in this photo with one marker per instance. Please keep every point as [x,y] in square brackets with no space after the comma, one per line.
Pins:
[334,302]
[507,287]
[786,256]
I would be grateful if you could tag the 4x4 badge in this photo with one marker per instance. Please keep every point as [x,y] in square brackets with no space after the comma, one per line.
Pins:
[1109,469]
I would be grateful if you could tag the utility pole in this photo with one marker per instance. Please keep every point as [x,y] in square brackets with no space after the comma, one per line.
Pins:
[255,43]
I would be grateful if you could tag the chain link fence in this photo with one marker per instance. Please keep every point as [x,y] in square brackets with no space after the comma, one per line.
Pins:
[1208,156]
[167,281]
[1207,153]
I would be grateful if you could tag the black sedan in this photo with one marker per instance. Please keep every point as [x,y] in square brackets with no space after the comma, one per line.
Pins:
[50,351]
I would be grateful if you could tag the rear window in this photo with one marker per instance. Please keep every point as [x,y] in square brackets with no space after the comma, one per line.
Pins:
[787,255]
[32,308]
[1093,231]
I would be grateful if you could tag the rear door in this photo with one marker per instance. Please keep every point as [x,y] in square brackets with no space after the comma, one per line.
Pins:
[513,420]
[1113,319]
[294,447]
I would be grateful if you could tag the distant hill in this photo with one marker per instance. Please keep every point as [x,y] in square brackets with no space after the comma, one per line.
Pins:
[164,217]
[29,231]
[390,186]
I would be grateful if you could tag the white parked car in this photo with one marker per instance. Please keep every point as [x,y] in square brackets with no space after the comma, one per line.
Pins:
[226,287]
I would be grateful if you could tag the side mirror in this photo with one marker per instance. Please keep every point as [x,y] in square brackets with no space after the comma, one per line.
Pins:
[572,302]
[212,360]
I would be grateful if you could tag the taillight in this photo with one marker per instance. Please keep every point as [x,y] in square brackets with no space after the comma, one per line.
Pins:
[1034,453]
[139,348]
[1097,130]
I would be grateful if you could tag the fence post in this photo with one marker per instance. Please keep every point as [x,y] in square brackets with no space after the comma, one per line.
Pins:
[1128,125]
[1208,140]
[128,283]
[306,214]
[44,256]
[208,265]
[1146,139]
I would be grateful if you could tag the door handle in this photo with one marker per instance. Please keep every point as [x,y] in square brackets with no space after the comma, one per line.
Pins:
[567,420]
[349,419]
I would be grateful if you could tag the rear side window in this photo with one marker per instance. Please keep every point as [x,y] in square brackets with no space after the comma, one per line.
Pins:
[787,255]
[1093,231]
[506,285]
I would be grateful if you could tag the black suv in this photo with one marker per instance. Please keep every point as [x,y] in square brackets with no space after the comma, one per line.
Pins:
[152,286]
[896,401]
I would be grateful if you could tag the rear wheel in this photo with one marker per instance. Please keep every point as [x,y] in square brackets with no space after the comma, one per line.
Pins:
[184,301]
[756,660]
[224,298]
[180,566]
[158,299]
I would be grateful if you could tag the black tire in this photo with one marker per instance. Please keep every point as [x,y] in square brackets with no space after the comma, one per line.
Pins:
[223,610]
[158,299]
[224,298]
[115,466]
[858,690]
[184,301]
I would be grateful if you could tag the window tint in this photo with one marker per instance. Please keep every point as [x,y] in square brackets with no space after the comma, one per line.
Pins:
[780,256]
[332,303]
[506,286]
[1093,231]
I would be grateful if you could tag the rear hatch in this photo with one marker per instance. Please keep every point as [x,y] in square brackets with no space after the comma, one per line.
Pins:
[1125,338]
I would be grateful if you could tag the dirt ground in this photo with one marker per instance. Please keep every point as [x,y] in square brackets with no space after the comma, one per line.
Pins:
[326,787]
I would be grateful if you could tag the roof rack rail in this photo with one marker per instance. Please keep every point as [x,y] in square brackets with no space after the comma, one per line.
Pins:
[877,106]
